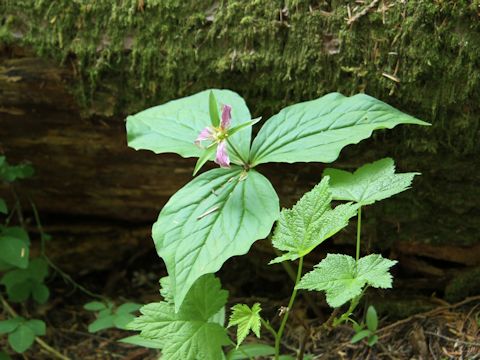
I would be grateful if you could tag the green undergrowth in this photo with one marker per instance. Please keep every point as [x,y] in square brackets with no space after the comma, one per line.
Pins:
[144,52]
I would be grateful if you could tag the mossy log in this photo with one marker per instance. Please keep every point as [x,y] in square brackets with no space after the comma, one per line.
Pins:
[70,73]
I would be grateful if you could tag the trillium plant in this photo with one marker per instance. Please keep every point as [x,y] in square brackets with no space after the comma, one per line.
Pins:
[223,211]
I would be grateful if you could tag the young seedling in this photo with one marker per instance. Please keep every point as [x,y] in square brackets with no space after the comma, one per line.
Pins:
[369,332]
[109,316]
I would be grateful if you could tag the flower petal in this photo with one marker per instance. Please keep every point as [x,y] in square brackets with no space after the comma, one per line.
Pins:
[226,116]
[205,134]
[222,158]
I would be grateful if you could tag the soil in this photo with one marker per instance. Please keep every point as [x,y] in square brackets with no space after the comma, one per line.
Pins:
[446,331]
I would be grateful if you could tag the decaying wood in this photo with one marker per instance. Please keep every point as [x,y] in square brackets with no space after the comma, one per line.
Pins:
[456,254]
[108,195]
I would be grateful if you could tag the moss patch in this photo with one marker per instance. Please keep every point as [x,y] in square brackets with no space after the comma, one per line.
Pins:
[272,52]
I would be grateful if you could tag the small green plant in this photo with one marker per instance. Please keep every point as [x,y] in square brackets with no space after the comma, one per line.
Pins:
[369,332]
[22,332]
[109,316]
[22,277]
[222,212]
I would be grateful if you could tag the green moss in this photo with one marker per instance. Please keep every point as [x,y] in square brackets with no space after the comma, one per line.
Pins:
[273,54]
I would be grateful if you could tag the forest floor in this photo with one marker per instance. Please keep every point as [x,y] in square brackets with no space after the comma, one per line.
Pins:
[446,331]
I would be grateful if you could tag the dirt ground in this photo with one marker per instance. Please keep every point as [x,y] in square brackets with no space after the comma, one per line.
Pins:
[447,331]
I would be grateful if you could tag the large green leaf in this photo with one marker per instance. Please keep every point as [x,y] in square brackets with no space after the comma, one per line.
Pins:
[309,223]
[317,130]
[343,279]
[369,183]
[218,215]
[174,126]
[188,334]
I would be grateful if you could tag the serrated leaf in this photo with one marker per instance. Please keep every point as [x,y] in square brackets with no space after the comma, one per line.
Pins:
[248,351]
[317,130]
[174,126]
[187,334]
[14,251]
[219,317]
[219,214]
[369,183]
[21,339]
[37,326]
[3,207]
[165,290]
[372,319]
[342,281]
[310,222]
[246,319]
[94,306]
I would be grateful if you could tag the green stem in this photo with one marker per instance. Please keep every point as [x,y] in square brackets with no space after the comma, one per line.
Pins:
[241,350]
[237,152]
[353,305]
[359,227]
[290,305]
[269,327]
[286,266]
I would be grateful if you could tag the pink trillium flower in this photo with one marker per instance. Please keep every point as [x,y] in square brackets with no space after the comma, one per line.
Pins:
[218,136]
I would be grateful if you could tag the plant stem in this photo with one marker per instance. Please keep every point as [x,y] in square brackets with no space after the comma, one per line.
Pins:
[291,273]
[241,350]
[290,305]
[39,341]
[359,228]
[237,152]
[269,327]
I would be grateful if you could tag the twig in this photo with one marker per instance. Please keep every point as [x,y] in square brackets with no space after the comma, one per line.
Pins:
[39,341]
[426,314]
[364,12]
[452,339]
